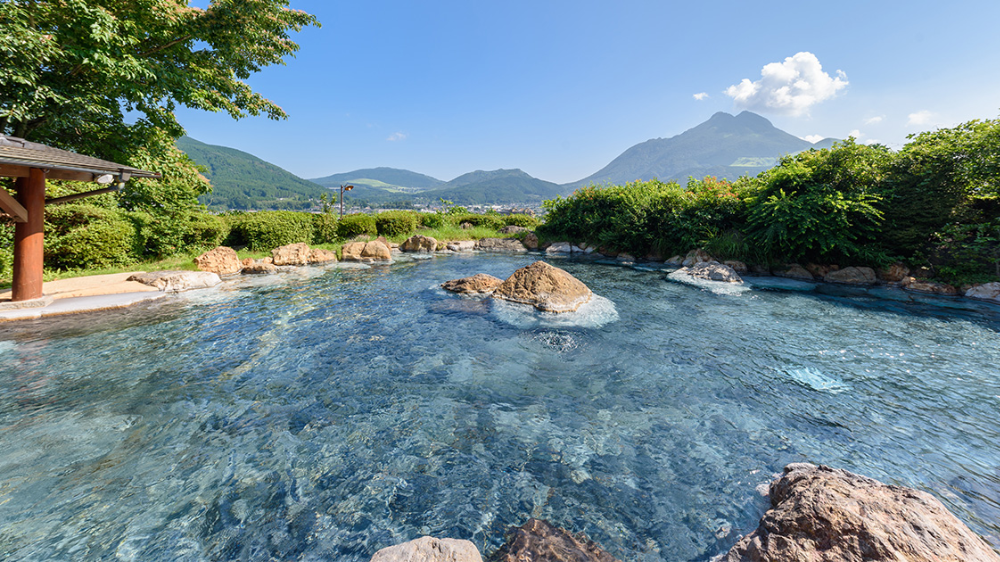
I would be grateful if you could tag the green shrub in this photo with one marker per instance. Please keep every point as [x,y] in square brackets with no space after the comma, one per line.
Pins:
[493,222]
[266,230]
[527,221]
[205,230]
[324,228]
[356,225]
[431,220]
[87,236]
[395,223]
[6,249]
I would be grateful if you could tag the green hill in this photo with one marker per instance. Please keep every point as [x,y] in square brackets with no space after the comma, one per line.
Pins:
[496,187]
[243,181]
[725,146]
[392,177]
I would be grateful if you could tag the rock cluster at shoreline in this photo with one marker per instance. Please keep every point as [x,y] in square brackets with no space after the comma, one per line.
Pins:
[817,513]
[541,285]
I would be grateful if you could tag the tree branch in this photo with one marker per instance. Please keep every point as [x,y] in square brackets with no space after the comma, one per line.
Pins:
[166,46]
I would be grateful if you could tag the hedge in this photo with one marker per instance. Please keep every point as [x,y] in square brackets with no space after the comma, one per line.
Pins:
[87,236]
[356,225]
[266,230]
[395,223]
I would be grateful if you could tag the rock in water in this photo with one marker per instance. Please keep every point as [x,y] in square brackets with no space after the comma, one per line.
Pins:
[794,271]
[852,276]
[530,241]
[713,271]
[500,245]
[366,251]
[177,281]
[986,291]
[824,514]
[291,254]
[319,255]
[222,260]
[419,243]
[545,287]
[541,541]
[478,284]
[430,549]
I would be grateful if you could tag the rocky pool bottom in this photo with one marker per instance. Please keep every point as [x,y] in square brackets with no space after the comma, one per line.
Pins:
[326,414]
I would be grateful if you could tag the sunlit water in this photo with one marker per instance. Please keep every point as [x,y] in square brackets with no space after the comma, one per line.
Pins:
[325,415]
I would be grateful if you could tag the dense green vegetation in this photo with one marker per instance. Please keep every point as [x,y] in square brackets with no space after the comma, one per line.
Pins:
[243,181]
[934,204]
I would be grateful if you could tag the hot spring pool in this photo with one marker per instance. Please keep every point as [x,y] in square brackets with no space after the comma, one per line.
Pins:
[326,414]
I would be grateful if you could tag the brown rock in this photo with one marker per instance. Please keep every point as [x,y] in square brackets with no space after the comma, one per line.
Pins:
[541,541]
[545,287]
[931,287]
[292,254]
[852,276]
[820,271]
[696,256]
[459,245]
[419,243]
[319,255]
[794,271]
[894,273]
[500,245]
[822,514]
[366,251]
[676,260]
[530,241]
[258,267]
[736,265]
[430,549]
[478,284]
[221,260]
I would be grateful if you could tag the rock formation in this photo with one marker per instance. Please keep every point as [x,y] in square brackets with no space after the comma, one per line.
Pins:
[177,281]
[539,540]
[419,243]
[736,265]
[500,245]
[713,271]
[530,241]
[461,245]
[894,273]
[794,271]
[823,514]
[852,276]
[291,254]
[930,287]
[696,256]
[478,284]
[366,251]
[545,287]
[430,549]
[222,261]
[258,267]
[319,255]
[986,291]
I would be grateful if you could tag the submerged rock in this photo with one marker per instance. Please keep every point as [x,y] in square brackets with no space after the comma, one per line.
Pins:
[478,284]
[177,281]
[419,243]
[539,540]
[545,287]
[712,271]
[430,549]
[500,245]
[824,514]
[221,260]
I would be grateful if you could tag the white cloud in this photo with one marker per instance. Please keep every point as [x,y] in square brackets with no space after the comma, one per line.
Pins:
[396,137]
[813,138]
[874,120]
[701,96]
[873,141]
[856,133]
[920,118]
[788,88]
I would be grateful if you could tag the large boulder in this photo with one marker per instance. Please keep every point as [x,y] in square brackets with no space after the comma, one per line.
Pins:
[319,255]
[500,245]
[419,243]
[366,251]
[929,287]
[696,256]
[986,291]
[545,287]
[824,514]
[177,281]
[478,284]
[712,271]
[221,260]
[793,271]
[461,245]
[430,549]
[291,254]
[258,267]
[852,276]
[541,541]
[894,273]
[512,229]
[530,241]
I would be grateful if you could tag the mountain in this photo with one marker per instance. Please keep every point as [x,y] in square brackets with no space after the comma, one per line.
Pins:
[725,146]
[384,178]
[243,181]
[494,187]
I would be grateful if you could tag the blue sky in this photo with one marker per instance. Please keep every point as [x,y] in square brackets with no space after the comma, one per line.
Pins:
[560,88]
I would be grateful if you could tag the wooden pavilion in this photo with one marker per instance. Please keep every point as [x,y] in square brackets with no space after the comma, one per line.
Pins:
[31,164]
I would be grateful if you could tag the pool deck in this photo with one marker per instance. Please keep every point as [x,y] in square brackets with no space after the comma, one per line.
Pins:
[79,294]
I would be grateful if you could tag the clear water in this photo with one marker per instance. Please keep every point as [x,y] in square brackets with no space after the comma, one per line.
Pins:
[325,415]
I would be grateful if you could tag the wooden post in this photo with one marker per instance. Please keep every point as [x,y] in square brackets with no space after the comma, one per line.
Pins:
[29,243]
